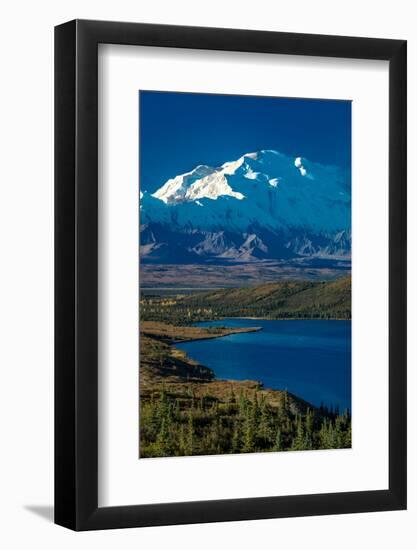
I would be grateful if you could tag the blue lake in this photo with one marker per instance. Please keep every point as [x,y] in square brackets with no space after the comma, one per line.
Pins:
[311,359]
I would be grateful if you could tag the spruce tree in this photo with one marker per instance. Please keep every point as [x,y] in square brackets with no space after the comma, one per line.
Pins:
[299,443]
[264,431]
[162,444]
[250,425]
[236,438]
[278,441]
[309,429]
[189,442]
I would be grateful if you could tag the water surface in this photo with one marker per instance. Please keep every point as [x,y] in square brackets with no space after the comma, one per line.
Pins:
[311,359]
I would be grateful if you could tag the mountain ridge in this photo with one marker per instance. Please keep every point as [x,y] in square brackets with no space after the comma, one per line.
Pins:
[264,205]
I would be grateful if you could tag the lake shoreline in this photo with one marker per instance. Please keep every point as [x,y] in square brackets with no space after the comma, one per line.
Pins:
[258,359]
[278,319]
[214,336]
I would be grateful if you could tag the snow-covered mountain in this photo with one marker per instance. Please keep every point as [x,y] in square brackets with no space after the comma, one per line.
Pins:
[264,205]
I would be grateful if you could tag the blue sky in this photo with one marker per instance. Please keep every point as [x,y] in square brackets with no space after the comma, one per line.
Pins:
[181,130]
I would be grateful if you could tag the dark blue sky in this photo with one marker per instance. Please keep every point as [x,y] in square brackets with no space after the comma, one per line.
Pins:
[180,130]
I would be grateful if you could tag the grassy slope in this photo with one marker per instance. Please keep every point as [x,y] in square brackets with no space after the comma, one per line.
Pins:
[223,417]
[159,359]
[288,299]
[281,297]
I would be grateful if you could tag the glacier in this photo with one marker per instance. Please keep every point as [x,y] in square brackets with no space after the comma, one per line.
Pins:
[264,205]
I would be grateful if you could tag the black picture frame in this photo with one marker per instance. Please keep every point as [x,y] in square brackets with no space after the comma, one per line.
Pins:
[76,272]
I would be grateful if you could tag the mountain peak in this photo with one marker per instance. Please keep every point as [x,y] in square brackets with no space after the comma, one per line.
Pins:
[263,205]
[264,187]
[175,189]
[209,182]
[202,182]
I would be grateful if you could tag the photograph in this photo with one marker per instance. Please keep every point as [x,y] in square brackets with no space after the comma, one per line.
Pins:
[244,274]
[208,335]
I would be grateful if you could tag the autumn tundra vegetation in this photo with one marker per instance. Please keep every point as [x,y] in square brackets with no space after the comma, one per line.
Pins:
[185,410]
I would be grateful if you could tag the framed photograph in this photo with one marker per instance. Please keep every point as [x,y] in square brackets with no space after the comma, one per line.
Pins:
[230,247]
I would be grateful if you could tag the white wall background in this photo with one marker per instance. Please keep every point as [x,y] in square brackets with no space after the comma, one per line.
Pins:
[26,289]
